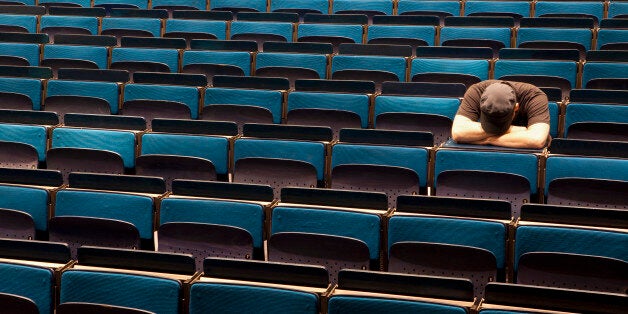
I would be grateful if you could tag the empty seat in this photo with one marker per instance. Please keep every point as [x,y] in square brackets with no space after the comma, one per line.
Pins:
[300,6]
[130,26]
[218,58]
[281,159]
[195,29]
[573,33]
[20,93]
[90,97]
[74,56]
[604,65]
[179,5]
[211,227]
[588,107]
[261,31]
[28,192]
[408,30]
[337,110]
[68,24]
[369,7]
[22,23]
[361,291]
[334,29]
[190,155]
[437,8]
[243,286]
[452,60]
[477,31]
[393,162]
[245,100]
[145,59]
[487,174]
[91,150]
[326,233]
[28,271]
[412,107]
[557,8]
[20,54]
[29,142]
[516,9]
[131,4]
[293,61]
[425,237]
[588,251]
[160,101]
[238,5]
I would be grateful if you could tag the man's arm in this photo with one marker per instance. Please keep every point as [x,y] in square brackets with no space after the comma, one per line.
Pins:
[465,130]
[535,136]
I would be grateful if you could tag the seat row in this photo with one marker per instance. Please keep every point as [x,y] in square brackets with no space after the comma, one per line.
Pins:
[334,228]
[372,7]
[134,282]
[493,31]
[394,162]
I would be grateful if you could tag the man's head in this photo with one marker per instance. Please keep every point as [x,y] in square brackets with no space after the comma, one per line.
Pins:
[498,105]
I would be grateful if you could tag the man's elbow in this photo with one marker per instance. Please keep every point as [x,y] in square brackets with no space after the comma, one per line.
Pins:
[538,143]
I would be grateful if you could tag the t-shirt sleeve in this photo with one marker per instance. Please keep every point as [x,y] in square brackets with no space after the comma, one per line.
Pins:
[470,105]
[538,111]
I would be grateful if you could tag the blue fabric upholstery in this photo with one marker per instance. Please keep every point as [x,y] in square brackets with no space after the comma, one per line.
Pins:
[187,95]
[525,165]
[257,5]
[240,59]
[159,295]
[585,167]
[151,25]
[427,33]
[358,103]
[580,7]
[103,90]
[320,5]
[214,149]
[29,22]
[26,86]
[29,134]
[198,4]
[501,34]
[577,112]
[31,200]
[82,3]
[247,216]
[442,106]
[570,240]
[230,298]
[361,226]
[86,22]
[488,235]
[354,304]
[275,28]
[593,70]
[519,7]
[396,65]
[269,99]
[384,6]
[32,282]
[352,31]
[310,152]
[121,142]
[169,57]
[97,54]
[578,35]
[452,7]
[617,8]
[136,209]
[140,4]
[475,67]
[414,158]
[564,69]
[316,62]
[607,36]
[217,28]
[554,111]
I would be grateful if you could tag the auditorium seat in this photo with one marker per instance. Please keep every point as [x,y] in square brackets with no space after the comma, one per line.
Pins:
[459,237]
[604,65]
[494,32]
[22,23]
[441,9]
[238,5]
[130,26]
[557,33]
[425,107]
[143,280]
[60,23]
[204,55]
[144,59]
[263,27]
[255,286]
[25,127]
[336,104]
[281,155]
[227,221]
[588,107]
[301,7]
[195,29]
[160,101]
[74,56]
[29,269]
[370,8]
[322,227]
[88,97]
[590,256]
[22,54]
[502,298]
[362,291]
[185,149]
[393,162]
[332,28]
[293,60]
[515,9]
[473,61]
[589,9]
[472,171]
[29,192]
[245,100]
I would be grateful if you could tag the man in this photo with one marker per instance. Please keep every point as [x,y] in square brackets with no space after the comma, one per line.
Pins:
[502,113]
